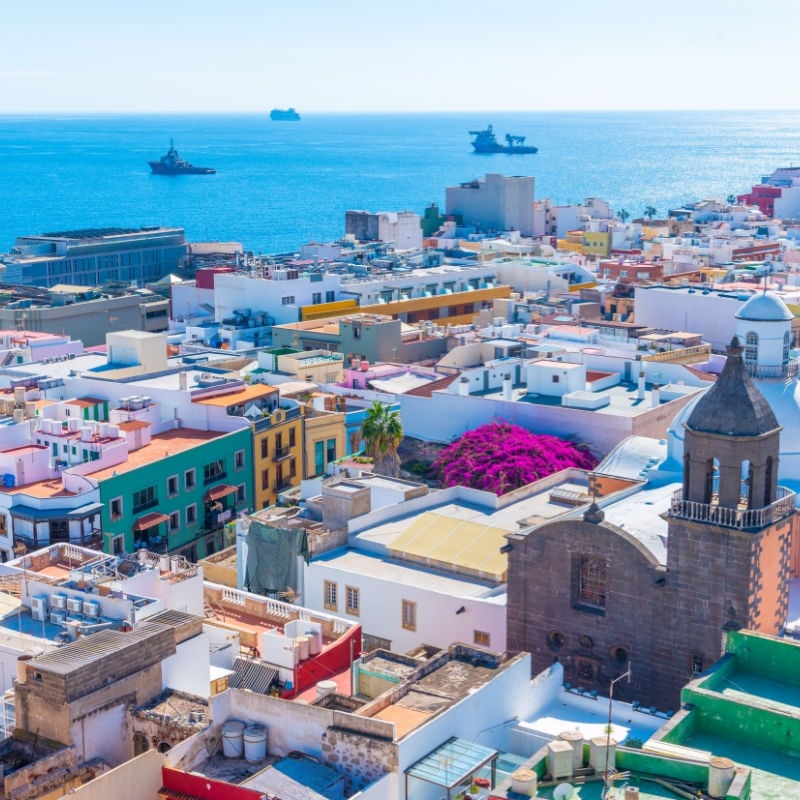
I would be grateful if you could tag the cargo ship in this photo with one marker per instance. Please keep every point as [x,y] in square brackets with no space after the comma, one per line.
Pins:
[485,141]
[173,164]
[284,115]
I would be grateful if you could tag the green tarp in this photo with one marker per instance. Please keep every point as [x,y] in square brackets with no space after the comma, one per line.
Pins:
[272,558]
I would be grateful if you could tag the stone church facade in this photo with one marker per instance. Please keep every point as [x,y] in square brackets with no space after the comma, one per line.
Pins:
[596,597]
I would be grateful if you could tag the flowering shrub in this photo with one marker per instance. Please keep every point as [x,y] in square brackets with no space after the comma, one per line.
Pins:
[500,457]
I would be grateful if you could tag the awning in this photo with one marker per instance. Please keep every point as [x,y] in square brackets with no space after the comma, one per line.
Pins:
[87,510]
[149,521]
[215,492]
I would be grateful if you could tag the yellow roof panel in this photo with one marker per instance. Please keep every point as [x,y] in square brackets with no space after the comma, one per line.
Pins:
[438,540]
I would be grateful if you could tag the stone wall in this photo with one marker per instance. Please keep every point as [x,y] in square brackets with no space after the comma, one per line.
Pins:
[361,759]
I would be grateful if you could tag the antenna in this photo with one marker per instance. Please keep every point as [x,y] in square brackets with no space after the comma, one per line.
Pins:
[607,777]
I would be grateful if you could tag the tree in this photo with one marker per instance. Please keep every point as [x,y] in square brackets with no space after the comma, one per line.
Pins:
[731,199]
[382,431]
[650,212]
[623,214]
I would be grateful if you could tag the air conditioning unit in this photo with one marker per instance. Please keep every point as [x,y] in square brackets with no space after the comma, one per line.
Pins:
[74,604]
[58,617]
[58,601]
[39,608]
[91,608]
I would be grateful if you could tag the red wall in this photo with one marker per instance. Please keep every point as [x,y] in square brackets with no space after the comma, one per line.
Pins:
[330,661]
[182,783]
[204,278]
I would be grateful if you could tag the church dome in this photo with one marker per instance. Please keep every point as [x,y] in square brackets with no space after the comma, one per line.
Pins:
[764,307]
[733,406]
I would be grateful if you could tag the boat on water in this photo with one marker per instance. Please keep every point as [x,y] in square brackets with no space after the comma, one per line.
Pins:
[485,141]
[173,164]
[284,115]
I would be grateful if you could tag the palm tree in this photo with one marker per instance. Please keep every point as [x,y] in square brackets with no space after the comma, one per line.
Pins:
[731,199]
[623,214]
[650,212]
[382,432]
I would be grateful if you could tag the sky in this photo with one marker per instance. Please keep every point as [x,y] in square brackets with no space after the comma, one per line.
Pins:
[72,56]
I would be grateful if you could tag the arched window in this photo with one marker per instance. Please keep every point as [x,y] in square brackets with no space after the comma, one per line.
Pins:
[787,343]
[751,348]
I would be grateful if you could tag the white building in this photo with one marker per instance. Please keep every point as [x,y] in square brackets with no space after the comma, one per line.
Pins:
[495,203]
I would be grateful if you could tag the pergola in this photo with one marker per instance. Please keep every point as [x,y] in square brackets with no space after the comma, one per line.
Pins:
[452,764]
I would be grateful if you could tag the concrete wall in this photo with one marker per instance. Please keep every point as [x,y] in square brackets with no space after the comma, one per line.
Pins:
[105,733]
[362,759]
[188,670]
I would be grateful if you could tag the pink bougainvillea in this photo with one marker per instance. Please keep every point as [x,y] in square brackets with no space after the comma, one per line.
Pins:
[500,457]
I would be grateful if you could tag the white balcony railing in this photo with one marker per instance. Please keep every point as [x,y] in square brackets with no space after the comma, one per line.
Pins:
[741,518]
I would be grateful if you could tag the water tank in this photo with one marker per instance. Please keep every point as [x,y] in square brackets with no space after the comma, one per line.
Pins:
[559,759]
[163,563]
[720,776]
[597,753]
[21,662]
[141,556]
[575,741]
[233,739]
[523,781]
[176,564]
[255,743]
[314,642]
[631,793]
[302,647]
[326,687]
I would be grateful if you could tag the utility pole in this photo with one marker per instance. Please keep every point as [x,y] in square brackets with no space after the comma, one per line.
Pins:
[626,674]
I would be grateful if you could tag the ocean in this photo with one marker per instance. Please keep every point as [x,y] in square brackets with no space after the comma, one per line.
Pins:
[281,184]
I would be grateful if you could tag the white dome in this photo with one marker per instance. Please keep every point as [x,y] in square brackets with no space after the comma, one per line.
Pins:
[764,307]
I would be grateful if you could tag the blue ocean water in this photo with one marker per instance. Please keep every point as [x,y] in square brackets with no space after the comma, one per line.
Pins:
[280,184]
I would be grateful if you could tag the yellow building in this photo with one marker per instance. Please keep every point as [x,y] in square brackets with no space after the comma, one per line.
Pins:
[323,433]
[597,243]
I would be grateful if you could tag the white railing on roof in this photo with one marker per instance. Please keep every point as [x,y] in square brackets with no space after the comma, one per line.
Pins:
[233,596]
[741,518]
[278,609]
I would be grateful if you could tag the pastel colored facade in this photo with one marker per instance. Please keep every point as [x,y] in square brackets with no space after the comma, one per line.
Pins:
[324,434]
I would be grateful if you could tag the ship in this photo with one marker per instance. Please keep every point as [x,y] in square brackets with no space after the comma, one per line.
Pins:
[173,164]
[485,141]
[284,115]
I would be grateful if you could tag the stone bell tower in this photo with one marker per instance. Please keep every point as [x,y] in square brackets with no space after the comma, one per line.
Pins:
[729,542]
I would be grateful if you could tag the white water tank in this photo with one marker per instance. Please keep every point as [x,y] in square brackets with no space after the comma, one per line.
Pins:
[176,565]
[523,781]
[255,743]
[597,753]
[302,647]
[233,738]
[326,687]
[314,642]
[575,740]
[163,563]
[559,759]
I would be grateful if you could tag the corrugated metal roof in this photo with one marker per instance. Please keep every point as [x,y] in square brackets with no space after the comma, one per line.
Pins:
[251,674]
[439,540]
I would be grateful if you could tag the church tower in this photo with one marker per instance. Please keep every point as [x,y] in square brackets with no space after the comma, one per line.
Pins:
[729,542]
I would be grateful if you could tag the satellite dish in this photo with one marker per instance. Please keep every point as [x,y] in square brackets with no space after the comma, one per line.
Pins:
[563,791]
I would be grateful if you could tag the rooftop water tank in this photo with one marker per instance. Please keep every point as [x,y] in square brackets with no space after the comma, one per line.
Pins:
[255,743]
[233,739]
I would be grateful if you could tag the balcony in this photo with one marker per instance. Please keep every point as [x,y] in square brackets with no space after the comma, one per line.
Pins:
[281,453]
[217,476]
[777,372]
[740,518]
[282,484]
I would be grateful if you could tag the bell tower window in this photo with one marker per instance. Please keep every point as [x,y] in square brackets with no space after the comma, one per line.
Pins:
[751,349]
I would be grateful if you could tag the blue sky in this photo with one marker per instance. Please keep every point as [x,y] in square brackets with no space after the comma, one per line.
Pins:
[437,55]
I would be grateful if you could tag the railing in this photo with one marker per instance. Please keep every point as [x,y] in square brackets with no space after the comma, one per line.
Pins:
[281,453]
[144,506]
[284,483]
[695,353]
[740,518]
[215,477]
[774,372]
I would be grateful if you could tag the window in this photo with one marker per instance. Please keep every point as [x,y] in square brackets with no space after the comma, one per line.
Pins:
[409,615]
[117,545]
[265,479]
[591,582]
[144,498]
[116,508]
[330,297]
[331,596]
[751,348]
[330,454]
[240,493]
[482,638]
[191,514]
[172,486]
[174,521]
[352,600]
[556,378]
[264,447]
[288,300]
[292,437]
[292,469]
[319,458]
[214,470]
[238,459]
[697,664]
[188,479]
[316,298]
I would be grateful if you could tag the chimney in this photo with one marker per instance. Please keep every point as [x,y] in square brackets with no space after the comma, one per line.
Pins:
[640,386]
[463,387]
[183,381]
[507,386]
[655,394]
